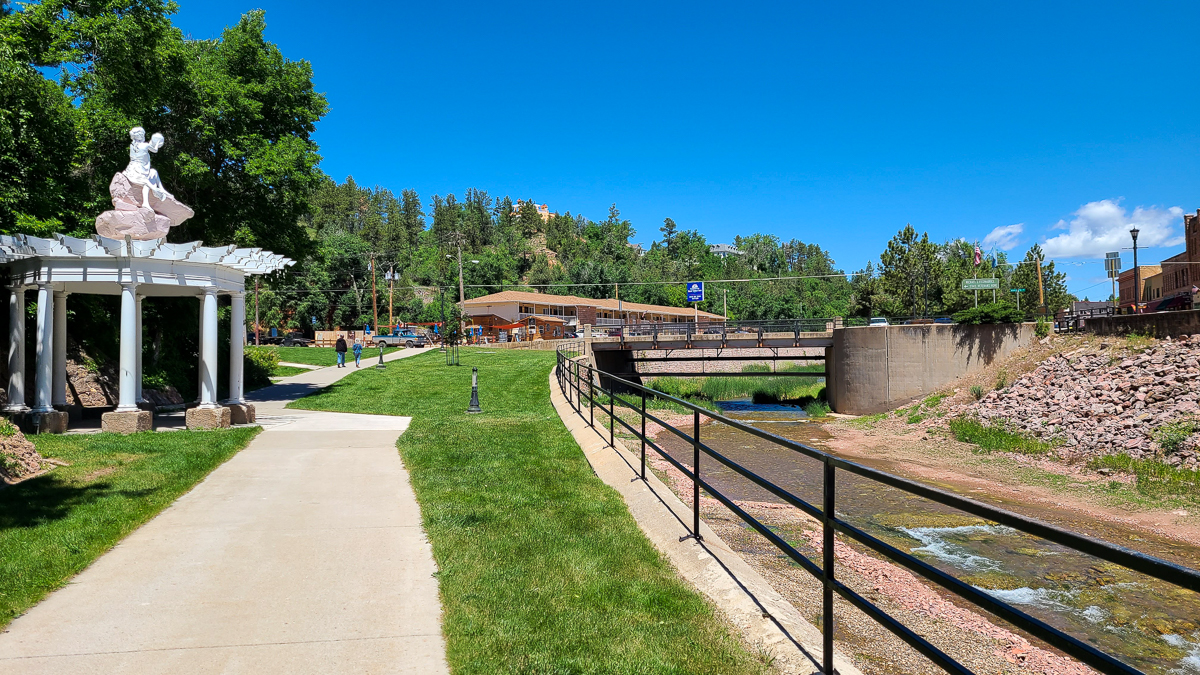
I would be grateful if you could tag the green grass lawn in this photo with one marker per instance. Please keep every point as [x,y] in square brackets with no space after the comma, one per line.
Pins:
[53,526]
[318,356]
[288,371]
[542,568]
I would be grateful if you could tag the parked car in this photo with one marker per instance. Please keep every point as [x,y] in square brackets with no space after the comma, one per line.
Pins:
[401,336]
[878,321]
[943,319]
[295,340]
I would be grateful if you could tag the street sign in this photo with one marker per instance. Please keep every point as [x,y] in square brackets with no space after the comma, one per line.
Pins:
[1112,264]
[1017,290]
[695,291]
[989,284]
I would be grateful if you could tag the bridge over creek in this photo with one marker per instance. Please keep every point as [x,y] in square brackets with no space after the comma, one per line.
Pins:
[868,369]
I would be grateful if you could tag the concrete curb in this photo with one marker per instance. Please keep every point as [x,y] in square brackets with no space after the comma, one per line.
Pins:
[763,616]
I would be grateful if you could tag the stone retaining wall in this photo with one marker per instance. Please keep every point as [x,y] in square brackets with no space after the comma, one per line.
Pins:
[1159,324]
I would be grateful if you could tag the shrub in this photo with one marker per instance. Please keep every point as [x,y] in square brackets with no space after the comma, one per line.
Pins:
[1042,329]
[993,312]
[1170,437]
[977,392]
[816,408]
[1002,379]
[260,362]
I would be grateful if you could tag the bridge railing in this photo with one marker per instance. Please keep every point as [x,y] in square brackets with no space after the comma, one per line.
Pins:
[584,389]
[715,328]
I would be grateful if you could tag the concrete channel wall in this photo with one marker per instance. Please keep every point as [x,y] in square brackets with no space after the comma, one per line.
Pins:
[1159,324]
[876,368]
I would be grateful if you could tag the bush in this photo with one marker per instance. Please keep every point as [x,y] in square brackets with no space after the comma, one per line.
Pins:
[1042,329]
[1170,437]
[260,362]
[1002,379]
[994,312]
[977,392]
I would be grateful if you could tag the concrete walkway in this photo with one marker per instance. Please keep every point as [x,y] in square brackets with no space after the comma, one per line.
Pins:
[303,553]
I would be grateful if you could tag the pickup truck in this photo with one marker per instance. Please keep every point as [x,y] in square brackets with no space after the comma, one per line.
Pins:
[401,337]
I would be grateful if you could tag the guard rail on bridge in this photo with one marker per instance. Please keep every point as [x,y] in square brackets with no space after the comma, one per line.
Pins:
[582,386]
[718,334]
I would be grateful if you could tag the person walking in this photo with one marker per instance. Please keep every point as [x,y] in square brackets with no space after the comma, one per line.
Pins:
[340,348]
[357,353]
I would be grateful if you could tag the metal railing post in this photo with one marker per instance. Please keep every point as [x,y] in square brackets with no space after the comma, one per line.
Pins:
[591,399]
[643,435]
[827,571]
[695,479]
[612,437]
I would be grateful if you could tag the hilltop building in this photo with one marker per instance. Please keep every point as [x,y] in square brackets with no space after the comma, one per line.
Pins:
[724,250]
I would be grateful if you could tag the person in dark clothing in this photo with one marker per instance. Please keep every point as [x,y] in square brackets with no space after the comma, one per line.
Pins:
[340,348]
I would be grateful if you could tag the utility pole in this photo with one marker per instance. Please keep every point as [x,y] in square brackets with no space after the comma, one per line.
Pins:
[462,299]
[391,279]
[617,290]
[374,300]
[1041,290]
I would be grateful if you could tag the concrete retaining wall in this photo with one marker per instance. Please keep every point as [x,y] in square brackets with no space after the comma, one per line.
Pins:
[1160,324]
[873,368]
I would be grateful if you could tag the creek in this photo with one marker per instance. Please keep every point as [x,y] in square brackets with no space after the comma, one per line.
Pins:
[1151,625]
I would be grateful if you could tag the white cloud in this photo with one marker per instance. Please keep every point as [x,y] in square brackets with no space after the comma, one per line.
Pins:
[1004,237]
[1103,226]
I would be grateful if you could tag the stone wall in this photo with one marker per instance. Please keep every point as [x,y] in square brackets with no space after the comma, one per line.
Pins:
[876,368]
[770,359]
[1159,324]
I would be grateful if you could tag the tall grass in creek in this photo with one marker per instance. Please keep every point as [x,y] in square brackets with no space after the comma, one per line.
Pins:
[800,391]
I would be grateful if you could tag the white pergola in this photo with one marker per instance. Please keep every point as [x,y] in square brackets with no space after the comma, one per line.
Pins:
[134,270]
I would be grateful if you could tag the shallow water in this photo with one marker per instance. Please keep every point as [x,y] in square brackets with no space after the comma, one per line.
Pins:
[1147,623]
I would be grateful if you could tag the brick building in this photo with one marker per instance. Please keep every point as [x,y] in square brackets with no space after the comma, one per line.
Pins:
[1181,272]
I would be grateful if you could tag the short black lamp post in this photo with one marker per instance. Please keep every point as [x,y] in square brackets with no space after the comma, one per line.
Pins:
[474,407]
[380,366]
[1137,282]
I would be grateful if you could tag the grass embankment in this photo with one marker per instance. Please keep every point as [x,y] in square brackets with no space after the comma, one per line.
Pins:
[54,526]
[317,356]
[806,392]
[542,568]
[993,438]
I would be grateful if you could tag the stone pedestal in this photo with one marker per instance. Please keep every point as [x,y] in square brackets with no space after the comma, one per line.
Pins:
[23,420]
[50,422]
[127,422]
[74,412]
[207,418]
[241,413]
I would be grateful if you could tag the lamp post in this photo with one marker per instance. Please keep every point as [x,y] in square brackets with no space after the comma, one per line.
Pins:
[1137,284]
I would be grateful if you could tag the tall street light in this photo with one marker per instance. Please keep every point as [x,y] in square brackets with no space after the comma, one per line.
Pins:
[1137,283]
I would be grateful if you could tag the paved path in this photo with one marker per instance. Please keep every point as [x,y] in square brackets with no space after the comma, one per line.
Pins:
[302,554]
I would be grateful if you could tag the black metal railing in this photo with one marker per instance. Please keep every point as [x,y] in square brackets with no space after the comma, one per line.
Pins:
[579,381]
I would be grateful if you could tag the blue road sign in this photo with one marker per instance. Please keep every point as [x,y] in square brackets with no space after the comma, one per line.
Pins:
[695,291]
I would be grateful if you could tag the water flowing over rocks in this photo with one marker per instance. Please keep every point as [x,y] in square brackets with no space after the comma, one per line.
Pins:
[1097,401]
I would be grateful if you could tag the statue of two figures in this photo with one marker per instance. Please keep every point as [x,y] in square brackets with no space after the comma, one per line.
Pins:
[142,207]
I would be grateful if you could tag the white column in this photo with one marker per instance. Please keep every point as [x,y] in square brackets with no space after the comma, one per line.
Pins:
[237,340]
[44,375]
[16,350]
[127,399]
[208,348]
[59,395]
[137,374]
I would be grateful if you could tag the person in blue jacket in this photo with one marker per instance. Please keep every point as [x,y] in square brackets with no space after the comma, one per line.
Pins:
[357,353]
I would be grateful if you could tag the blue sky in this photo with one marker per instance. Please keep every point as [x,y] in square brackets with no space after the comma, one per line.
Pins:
[834,123]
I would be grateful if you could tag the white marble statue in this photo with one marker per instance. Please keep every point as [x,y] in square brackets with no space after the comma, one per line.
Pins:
[142,207]
[139,171]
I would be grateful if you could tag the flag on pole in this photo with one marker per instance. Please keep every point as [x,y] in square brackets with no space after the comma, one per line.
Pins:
[978,256]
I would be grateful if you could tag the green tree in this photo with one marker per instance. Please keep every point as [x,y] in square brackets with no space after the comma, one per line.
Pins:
[1054,284]
[238,116]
